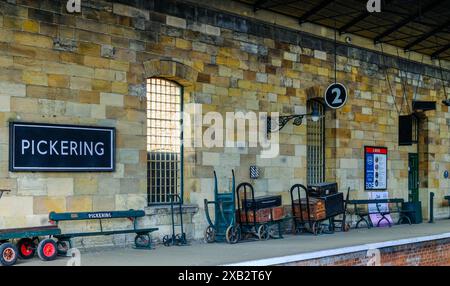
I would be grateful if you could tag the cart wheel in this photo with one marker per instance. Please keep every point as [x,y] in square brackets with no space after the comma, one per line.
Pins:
[263,232]
[210,234]
[316,228]
[167,240]
[142,241]
[346,227]
[180,239]
[233,234]
[62,247]
[8,254]
[26,248]
[47,250]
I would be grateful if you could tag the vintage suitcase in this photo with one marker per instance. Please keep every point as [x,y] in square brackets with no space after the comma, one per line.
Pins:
[322,189]
[263,215]
[334,204]
[316,208]
[262,203]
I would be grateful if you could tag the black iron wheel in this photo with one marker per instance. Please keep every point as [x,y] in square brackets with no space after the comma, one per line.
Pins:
[233,234]
[263,232]
[62,247]
[8,254]
[142,241]
[316,228]
[210,234]
[26,248]
[167,241]
[181,238]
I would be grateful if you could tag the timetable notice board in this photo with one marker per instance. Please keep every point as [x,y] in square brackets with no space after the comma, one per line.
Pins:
[375,168]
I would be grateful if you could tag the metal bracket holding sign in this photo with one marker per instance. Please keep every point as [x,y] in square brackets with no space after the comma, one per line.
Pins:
[336,96]
[60,148]
[375,168]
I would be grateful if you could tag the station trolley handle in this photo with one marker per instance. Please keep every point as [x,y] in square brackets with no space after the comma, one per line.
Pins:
[3,191]
[173,199]
[298,187]
[217,205]
[244,186]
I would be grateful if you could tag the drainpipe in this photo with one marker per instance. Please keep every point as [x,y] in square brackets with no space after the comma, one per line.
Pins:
[431,208]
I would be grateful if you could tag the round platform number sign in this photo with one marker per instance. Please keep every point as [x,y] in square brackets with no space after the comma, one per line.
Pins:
[336,95]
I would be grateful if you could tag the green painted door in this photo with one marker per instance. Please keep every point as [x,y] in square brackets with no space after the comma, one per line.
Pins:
[413,178]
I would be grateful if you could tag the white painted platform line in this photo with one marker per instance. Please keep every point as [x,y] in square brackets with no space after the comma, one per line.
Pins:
[338,251]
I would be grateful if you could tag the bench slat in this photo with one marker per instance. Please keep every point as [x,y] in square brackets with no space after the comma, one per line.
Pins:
[380,201]
[95,215]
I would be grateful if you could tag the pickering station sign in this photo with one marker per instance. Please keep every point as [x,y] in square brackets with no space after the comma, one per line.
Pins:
[61,148]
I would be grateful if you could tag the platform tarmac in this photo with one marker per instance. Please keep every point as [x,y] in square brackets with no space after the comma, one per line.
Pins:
[270,252]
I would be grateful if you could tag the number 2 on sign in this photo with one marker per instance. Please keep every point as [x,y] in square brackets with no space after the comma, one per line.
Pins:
[337,92]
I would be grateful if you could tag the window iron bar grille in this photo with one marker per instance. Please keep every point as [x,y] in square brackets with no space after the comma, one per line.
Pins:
[163,140]
[315,145]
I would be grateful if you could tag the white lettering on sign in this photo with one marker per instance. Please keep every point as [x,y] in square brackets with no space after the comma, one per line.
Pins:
[73,6]
[63,148]
[39,147]
[100,215]
[25,145]
[374,6]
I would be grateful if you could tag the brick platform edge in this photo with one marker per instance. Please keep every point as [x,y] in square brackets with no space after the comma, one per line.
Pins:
[420,251]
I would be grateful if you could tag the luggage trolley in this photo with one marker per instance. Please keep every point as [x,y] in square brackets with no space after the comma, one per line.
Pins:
[249,222]
[176,238]
[28,243]
[223,227]
[304,220]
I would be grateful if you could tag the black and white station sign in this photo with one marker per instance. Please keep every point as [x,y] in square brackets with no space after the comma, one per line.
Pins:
[336,95]
[58,148]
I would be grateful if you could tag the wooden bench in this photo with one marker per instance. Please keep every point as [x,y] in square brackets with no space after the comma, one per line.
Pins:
[142,239]
[394,206]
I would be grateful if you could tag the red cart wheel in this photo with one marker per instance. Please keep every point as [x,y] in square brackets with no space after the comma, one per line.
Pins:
[26,247]
[47,250]
[8,254]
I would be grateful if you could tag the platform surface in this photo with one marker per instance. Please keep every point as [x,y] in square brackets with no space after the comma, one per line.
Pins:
[257,252]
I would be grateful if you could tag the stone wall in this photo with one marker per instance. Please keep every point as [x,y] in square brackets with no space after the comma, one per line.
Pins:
[90,69]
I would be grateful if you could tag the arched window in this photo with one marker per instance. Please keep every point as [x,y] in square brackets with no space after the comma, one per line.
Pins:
[316,144]
[164,148]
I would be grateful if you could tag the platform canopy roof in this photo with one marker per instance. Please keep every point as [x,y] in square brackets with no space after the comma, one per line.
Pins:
[422,26]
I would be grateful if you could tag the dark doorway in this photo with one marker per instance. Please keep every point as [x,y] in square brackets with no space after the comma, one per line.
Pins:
[413,177]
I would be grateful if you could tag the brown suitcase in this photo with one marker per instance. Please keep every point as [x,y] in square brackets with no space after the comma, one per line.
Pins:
[263,215]
[316,209]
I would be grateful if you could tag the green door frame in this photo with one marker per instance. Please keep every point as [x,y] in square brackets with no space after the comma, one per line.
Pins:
[413,177]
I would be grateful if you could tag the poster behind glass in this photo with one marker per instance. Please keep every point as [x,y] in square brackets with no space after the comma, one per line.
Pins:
[375,168]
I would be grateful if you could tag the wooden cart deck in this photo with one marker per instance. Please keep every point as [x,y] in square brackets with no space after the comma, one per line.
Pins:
[12,233]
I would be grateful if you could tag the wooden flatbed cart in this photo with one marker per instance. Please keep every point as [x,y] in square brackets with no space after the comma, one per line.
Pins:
[248,225]
[24,243]
[305,220]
